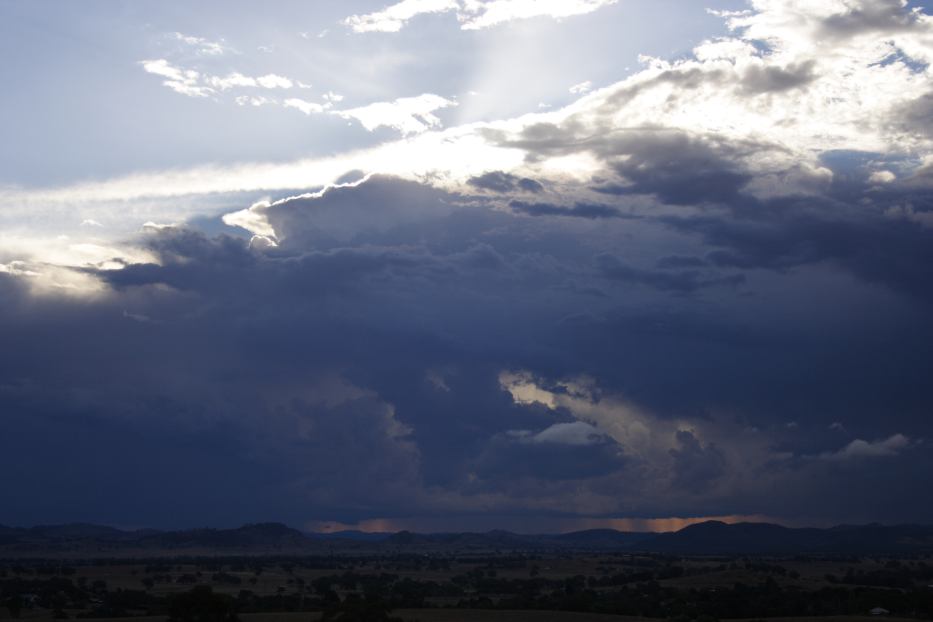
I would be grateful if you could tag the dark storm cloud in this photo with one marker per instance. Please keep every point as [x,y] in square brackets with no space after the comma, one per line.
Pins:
[681,168]
[676,166]
[354,370]
[684,281]
[678,261]
[696,465]
[578,210]
[497,181]
[547,456]
[864,246]
[210,265]
[889,480]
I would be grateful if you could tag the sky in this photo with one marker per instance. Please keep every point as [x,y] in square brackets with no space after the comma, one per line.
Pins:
[539,265]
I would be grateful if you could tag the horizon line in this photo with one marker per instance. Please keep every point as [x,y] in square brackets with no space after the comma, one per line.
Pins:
[435,525]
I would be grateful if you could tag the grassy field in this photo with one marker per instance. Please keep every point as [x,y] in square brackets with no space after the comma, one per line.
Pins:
[724,585]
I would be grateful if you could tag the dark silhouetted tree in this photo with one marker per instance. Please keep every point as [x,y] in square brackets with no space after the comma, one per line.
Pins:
[201,604]
[15,605]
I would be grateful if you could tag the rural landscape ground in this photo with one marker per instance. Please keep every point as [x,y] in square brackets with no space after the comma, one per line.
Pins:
[260,573]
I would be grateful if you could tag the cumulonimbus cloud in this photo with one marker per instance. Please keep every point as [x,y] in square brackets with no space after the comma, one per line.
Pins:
[674,262]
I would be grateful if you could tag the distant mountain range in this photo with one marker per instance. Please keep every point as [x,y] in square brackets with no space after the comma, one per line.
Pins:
[713,538]
[743,538]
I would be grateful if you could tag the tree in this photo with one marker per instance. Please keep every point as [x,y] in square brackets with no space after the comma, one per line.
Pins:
[15,605]
[201,604]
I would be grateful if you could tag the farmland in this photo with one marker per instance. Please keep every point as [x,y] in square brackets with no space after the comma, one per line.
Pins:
[448,587]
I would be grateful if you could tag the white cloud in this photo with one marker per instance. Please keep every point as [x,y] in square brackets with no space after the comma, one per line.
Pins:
[150,226]
[304,106]
[576,433]
[639,432]
[409,115]
[56,265]
[273,81]
[801,98]
[472,14]
[860,449]
[231,80]
[195,84]
[882,177]
[49,280]
[162,67]
[484,14]
[394,17]
[450,156]
[238,80]
[203,46]
[262,243]
[255,101]
[582,87]
[780,109]
[252,220]
[183,81]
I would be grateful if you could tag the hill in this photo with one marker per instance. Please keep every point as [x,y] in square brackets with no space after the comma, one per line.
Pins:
[714,538]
